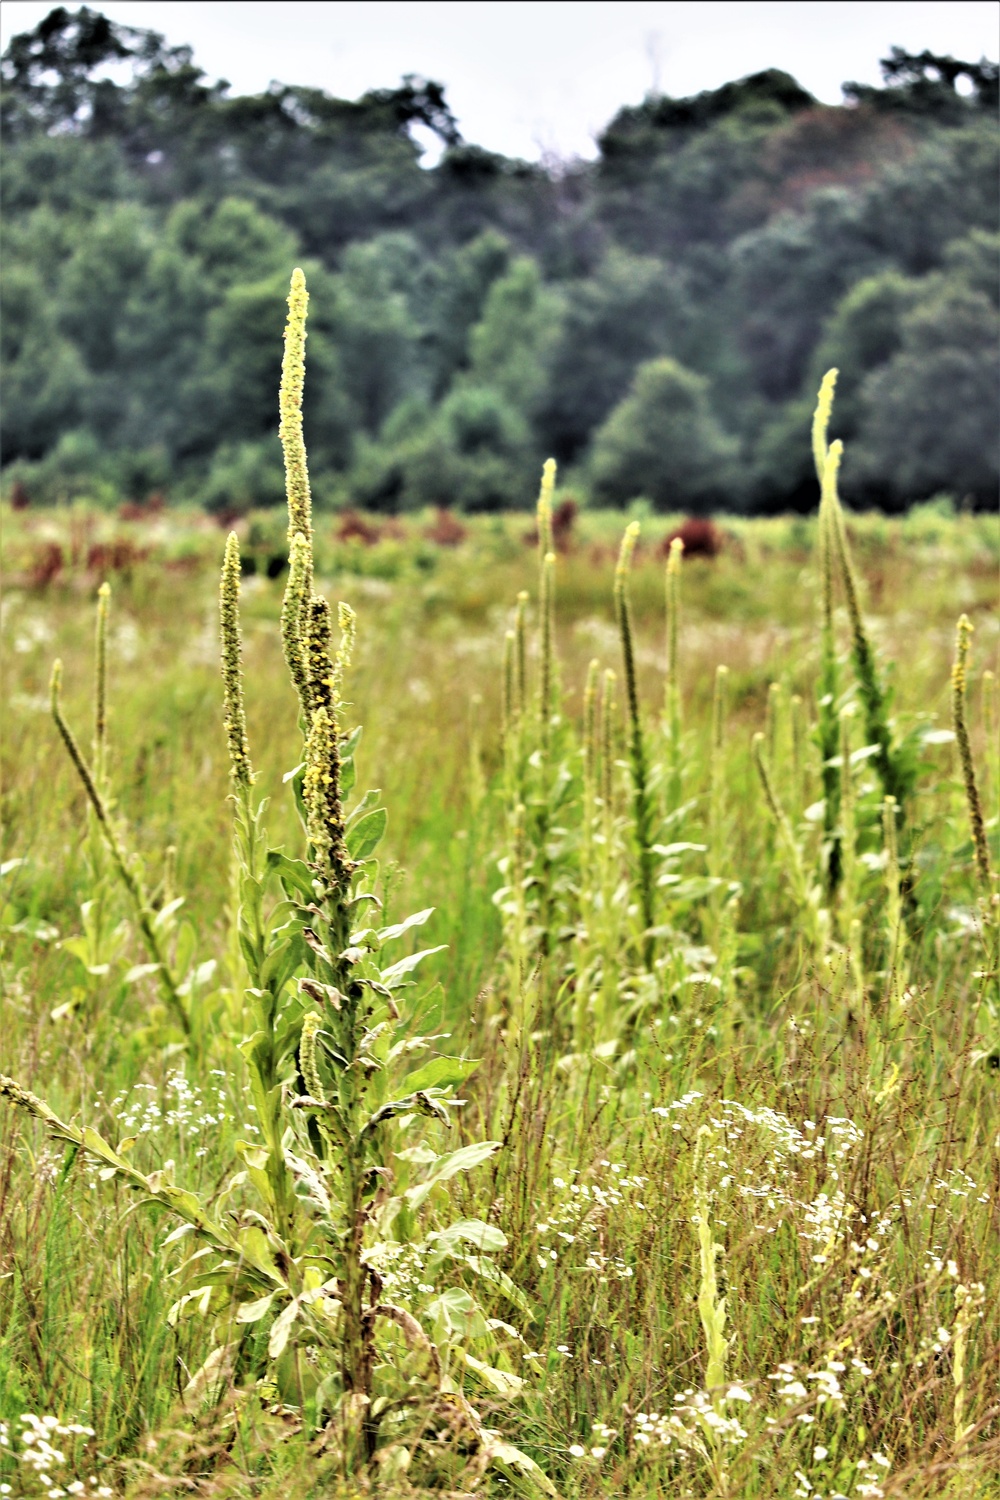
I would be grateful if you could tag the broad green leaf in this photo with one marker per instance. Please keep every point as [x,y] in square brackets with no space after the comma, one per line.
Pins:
[472,1231]
[293,872]
[281,1328]
[252,1312]
[388,934]
[364,838]
[462,1160]
[506,1456]
[440,1072]
[456,1311]
[139,971]
[501,1381]
[396,973]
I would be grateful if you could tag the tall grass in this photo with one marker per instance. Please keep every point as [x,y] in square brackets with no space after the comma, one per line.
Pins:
[672,1168]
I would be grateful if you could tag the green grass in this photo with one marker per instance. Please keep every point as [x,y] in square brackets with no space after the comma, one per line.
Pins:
[604,1077]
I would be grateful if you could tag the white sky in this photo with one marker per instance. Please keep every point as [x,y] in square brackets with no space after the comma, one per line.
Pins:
[530,78]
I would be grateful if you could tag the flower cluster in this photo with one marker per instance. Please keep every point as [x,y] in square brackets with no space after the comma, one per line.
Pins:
[577,1214]
[35,1448]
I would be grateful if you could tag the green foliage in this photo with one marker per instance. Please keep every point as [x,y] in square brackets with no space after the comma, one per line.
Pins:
[149,217]
[663,442]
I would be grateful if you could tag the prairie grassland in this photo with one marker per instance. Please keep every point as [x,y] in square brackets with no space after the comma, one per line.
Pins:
[744,1208]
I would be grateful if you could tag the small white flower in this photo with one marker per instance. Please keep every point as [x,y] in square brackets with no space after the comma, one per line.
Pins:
[576,1451]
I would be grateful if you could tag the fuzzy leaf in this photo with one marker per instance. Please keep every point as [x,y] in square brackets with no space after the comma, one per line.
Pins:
[462,1160]
[439,1073]
[396,973]
[366,835]
[388,934]
[281,1328]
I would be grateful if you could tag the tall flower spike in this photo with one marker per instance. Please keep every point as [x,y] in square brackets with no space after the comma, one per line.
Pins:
[232,666]
[293,376]
[292,617]
[608,741]
[959,671]
[521,654]
[624,613]
[673,581]
[547,610]
[821,421]
[590,745]
[545,494]
[101,684]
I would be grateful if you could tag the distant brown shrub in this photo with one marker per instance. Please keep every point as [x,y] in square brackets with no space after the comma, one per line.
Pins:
[116,556]
[446,529]
[46,565]
[352,527]
[701,538]
[19,497]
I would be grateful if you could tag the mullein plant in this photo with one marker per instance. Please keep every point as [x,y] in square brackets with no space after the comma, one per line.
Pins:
[288,1255]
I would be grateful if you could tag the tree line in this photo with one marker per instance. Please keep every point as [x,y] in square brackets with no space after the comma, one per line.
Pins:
[658,319]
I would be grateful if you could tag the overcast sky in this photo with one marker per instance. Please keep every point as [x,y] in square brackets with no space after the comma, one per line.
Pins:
[533,78]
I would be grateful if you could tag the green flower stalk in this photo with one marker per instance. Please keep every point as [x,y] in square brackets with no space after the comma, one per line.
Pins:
[101,686]
[673,687]
[232,667]
[895,927]
[959,672]
[772,723]
[293,609]
[547,611]
[507,691]
[798,726]
[591,749]
[642,803]
[873,695]
[607,733]
[717,777]
[521,655]
[827,730]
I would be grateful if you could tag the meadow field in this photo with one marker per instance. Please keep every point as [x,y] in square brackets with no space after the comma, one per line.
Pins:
[712,963]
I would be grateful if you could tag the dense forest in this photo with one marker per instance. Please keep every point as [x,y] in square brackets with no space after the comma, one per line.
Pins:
[657,319]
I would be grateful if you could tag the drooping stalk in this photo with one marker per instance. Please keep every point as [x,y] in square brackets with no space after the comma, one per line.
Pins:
[124,865]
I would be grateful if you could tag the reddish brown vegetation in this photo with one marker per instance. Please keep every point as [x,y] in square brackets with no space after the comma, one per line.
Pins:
[47,564]
[19,497]
[352,527]
[142,510]
[446,530]
[701,538]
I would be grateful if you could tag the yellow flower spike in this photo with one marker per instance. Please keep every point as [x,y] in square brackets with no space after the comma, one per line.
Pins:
[293,375]
[821,421]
